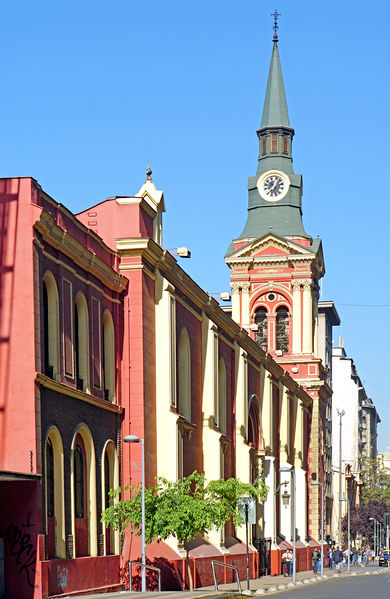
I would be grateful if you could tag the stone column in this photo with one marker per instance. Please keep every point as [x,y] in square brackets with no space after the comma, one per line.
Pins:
[236,302]
[242,448]
[266,413]
[296,318]
[307,341]
[300,474]
[245,305]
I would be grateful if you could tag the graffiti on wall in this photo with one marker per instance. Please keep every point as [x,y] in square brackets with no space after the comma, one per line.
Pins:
[21,547]
[62,577]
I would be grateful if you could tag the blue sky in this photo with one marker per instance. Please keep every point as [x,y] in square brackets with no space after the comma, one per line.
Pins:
[93,91]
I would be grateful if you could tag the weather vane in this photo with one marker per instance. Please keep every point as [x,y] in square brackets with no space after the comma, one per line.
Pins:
[275,15]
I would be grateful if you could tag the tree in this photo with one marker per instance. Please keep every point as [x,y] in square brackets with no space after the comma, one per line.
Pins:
[376,481]
[184,508]
[360,523]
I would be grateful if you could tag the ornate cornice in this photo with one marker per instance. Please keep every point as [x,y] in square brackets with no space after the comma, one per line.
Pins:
[69,246]
[71,392]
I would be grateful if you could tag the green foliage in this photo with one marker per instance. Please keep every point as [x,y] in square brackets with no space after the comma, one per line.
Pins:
[183,508]
[376,481]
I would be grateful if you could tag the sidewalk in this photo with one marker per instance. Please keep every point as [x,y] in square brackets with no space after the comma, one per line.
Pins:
[279,583]
[258,586]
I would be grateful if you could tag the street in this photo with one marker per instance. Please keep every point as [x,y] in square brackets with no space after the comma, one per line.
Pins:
[359,587]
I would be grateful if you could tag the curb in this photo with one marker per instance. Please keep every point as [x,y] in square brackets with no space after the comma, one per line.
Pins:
[304,581]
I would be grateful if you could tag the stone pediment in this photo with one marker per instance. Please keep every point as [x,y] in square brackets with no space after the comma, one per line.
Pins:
[270,245]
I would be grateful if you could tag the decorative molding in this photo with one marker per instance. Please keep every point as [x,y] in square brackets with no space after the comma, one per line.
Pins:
[63,389]
[67,245]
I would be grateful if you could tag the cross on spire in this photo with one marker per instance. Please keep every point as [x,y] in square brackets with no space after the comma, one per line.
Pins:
[275,15]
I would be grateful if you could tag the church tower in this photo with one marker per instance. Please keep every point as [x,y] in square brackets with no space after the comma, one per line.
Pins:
[276,266]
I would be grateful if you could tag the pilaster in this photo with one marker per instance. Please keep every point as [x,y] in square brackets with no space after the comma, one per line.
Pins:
[296,317]
[236,302]
[245,323]
[307,341]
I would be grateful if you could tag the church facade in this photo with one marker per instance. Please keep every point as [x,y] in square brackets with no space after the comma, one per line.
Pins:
[276,268]
[118,339]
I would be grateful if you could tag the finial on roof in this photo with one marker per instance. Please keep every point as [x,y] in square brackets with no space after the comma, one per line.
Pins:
[148,173]
[275,15]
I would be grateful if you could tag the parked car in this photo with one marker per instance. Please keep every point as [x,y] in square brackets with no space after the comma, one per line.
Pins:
[384,558]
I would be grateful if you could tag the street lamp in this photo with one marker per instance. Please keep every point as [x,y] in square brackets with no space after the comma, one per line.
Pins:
[340,414]
[135,439]
[316,483]
[375,522]
[348,547]
[292,470]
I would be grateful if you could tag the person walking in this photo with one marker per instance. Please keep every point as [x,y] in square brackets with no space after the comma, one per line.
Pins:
[284,563]
[315,557]
[289,559]
[338,559]
[330,557]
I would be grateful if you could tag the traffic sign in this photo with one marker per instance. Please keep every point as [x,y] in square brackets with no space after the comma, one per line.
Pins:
[242,502]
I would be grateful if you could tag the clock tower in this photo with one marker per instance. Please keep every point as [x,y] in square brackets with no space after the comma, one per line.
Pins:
[276,267]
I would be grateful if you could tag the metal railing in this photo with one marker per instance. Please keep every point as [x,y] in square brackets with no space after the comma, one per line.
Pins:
[147,567]
[213,561]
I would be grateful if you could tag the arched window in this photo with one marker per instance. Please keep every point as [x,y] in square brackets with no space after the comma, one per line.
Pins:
[83,485]
[254,437]
[81,346]
[282,329]
[222,396]
[54,492]
[110,480]
[79,481]
[184,376]
[108,357]
[261,335]
[50,326]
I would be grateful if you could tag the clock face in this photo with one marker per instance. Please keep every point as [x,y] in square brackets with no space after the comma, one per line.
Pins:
[273,185]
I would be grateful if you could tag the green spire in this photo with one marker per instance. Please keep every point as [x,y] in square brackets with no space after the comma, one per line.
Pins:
[275,113]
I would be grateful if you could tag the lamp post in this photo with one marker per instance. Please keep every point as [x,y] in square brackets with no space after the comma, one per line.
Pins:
[135,439]
[292,470]
[349,539]
[340,414]
[316,483]
[375,522]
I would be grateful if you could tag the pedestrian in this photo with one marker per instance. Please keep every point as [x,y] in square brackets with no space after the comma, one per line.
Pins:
[330,557]
[338,559]
[355,557]
[284,563]
[290,561]
[315,557]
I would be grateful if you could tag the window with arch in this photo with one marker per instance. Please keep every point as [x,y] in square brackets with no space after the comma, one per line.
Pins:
[254,437]
[282,329]
[84,525]
[108,357]
[81,346]
[110,480]
[50,324]
[222,396]
[184,375]
[54,495]
[261,335]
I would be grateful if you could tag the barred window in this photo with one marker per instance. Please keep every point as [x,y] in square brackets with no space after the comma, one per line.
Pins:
[282,329]
[261,335]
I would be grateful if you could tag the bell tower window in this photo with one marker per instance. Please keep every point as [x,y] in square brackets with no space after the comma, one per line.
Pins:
[261,335]
[264,144]
[285,144]
[282,330]
[274,142]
